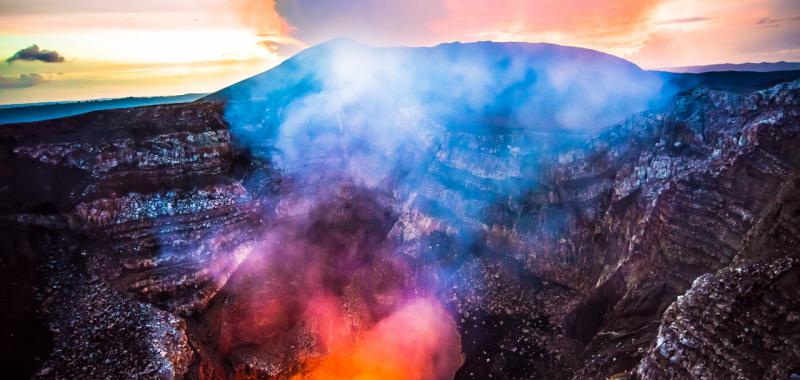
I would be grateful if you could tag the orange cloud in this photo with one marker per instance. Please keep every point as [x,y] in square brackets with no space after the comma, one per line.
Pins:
[754,30]
[263,18]
[653,33]
[613,26]
[566,16]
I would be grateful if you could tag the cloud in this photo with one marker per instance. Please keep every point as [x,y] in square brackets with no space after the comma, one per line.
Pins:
[768,22]
[285,27]
[568,17]
[33,53]
[684,20]
[270,45]
[731,43]
[611,26]
[23,81]
[372,21]
[756,31]
[775,22]
[272,29]
[426,22]
[629,28]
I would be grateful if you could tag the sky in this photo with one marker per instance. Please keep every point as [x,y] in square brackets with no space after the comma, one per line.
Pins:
[54,50]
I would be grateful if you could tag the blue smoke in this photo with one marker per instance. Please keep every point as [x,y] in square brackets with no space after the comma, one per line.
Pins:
[456,134]
[456,126]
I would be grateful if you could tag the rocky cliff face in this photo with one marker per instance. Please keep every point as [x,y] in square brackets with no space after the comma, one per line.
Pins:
[738,323]
[662,246]
[103,212]
[614,230]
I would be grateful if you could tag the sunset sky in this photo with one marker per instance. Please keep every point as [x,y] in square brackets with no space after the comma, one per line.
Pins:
[88,49]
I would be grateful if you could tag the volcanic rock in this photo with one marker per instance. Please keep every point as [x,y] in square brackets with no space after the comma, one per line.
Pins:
[165,242]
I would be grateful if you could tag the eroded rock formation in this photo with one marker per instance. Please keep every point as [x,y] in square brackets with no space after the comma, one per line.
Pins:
[663,246]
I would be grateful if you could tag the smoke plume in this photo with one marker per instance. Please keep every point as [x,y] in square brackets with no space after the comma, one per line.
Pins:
[370,114]
[324,288]
[361,134]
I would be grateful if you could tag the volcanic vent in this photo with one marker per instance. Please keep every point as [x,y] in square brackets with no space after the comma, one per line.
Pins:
[323,295]
[468,211]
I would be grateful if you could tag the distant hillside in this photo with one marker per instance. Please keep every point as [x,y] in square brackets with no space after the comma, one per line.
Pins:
[762,67]
[736,81]
[19,113]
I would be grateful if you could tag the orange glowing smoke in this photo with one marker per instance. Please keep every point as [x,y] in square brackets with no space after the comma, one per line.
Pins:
[418,341]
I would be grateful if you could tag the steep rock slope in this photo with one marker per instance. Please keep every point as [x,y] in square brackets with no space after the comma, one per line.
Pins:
[556,252]
[624,224]
[110,207]
[739,323]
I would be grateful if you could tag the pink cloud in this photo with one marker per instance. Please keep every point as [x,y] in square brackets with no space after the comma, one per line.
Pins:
[567,16]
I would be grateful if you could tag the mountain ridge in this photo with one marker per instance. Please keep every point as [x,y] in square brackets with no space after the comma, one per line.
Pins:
[761,67]
[320,51]
[28,112]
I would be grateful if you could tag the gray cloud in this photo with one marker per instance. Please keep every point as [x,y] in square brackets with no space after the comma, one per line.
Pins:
[769,22]
[23,81]
[33,53]
[773,22]
[685,20]
[372,21]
